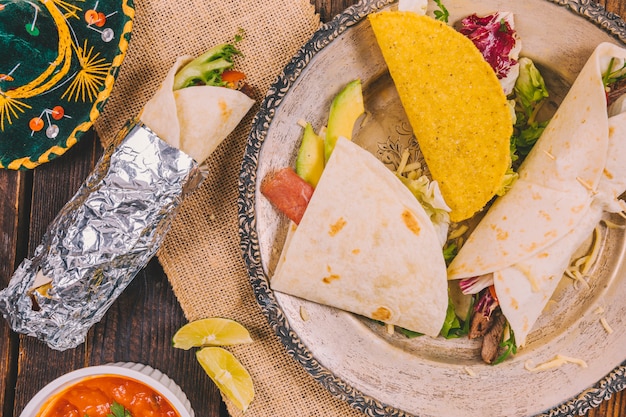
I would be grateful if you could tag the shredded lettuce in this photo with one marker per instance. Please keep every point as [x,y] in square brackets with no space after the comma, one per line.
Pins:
[530,87]
[507,182]
[497,40]
[207,69]
[474,285]
[530,93]
[451,322]
[428,194]
[453,326]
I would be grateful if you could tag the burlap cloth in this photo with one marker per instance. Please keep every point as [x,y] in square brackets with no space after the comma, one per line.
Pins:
[201,254]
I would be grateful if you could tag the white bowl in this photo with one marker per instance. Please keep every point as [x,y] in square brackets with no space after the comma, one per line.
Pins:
[151,377]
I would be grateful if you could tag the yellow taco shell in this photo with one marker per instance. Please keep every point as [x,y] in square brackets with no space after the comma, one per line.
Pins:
[455,104]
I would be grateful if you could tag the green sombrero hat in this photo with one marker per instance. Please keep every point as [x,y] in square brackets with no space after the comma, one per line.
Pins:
[59,61]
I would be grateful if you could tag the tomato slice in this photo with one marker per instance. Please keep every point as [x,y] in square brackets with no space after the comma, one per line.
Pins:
[232,76]
[492,290]
[289,193]
[234,79]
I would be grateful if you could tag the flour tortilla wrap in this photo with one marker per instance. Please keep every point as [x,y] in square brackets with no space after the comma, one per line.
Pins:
[571,177]
[522,299]
[194,119]
[366,245]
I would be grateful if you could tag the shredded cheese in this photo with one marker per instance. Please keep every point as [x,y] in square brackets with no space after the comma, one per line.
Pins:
[413,175]
[403,161]
[577,277]
[458,232]
[302,123]
[391,329]
[469,371]
[304,315]
[558,360]
[612,225]
[606,326]
[412,167]
[549,155]
[534,285]
[579,268]
[586,185]
[598,310]
[595,250]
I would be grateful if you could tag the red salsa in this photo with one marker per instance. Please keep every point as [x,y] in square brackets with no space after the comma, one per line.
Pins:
[94,396]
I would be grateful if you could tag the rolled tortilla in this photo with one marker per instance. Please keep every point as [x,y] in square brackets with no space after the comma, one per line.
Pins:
[366,245]
[575,172]
[194,119]
[525,288]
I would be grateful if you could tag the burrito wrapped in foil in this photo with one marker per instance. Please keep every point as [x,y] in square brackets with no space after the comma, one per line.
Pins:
[117,220]
[100,240]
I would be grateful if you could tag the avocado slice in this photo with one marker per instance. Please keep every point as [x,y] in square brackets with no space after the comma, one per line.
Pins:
[310,159]
[346,108]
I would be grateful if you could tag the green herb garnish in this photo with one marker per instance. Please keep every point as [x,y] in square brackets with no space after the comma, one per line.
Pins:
[441,14]
[611,76]
[508,344]
[118,410]
[409,333]
[449,252]
[503,27]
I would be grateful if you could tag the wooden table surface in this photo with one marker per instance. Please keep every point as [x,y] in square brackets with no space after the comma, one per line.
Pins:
[140,324]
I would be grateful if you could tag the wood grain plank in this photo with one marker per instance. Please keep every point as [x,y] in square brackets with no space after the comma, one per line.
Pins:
[53,185]
[12,240]
[615,6]
[11,190]
[329,8]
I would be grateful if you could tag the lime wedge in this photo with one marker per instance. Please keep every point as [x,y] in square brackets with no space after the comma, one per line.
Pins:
[213,331]
[228,374]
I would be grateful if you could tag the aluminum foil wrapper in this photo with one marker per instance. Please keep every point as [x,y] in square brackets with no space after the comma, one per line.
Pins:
[101,239]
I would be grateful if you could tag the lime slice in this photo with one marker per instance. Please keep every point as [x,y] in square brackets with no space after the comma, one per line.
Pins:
[213,331]
[228,374]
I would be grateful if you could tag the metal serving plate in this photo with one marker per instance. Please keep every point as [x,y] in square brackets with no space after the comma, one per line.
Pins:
[391,375]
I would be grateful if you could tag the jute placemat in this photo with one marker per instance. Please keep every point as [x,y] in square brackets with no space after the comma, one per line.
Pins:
[201,254]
